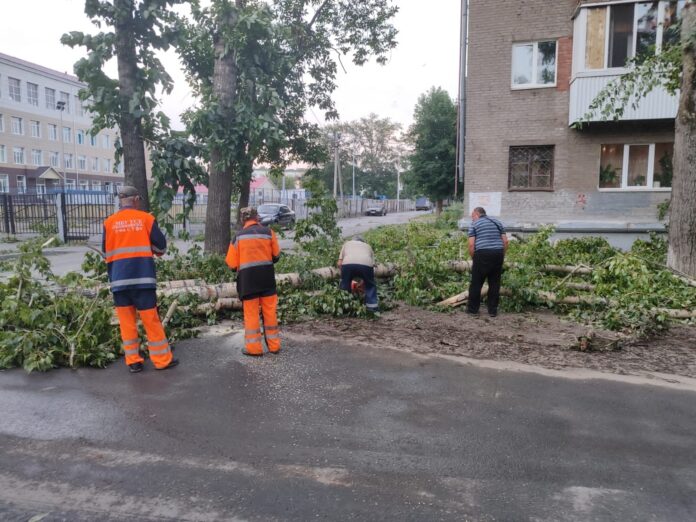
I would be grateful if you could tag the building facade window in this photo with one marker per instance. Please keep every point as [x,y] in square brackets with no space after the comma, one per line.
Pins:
[80,137]
[82,162]
[4,183]
[107,165]
[18,155]
[36,157]
[17,125]
[531,168]
[15,89]
[68,161]
[50,95]
[93,140]
[33,94]
[2,123]
[95,165]
[52,132]
[84,184]
[54,159]
[636,166]
[67,134]
[108,187]
[105,141]
[21,184]
[35,129]
[70,184]
[96,185]
[3,154]
[65,98]
[534,64]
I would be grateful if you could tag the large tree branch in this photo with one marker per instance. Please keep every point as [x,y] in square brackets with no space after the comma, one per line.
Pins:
[316,14]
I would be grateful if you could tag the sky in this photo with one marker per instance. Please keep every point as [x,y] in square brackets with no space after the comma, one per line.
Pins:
[427,56]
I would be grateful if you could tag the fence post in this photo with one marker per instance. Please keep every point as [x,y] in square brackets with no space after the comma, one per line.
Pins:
[10,211]
[5,214]
[60,216]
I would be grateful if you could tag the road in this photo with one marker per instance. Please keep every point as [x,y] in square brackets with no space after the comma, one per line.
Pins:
[69,258]
[329,431]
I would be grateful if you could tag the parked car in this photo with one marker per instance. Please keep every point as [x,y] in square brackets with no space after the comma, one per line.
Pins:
[271,213]
[376,210]
[423,204]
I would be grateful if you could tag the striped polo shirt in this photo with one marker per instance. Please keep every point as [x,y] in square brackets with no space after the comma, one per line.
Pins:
[487,232]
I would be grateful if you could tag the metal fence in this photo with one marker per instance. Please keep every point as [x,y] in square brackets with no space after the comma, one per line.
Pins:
[28,214]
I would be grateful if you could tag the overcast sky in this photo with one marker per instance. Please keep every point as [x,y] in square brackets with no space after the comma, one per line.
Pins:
[427,55]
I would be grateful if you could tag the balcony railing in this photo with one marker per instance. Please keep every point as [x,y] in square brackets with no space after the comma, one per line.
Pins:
[585,87]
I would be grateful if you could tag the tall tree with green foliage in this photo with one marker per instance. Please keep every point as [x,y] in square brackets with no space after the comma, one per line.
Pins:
[674,68]
[269,62]
[137,29]
[434,138]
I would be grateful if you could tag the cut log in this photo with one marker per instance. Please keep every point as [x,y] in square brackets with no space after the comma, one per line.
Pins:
[465,266]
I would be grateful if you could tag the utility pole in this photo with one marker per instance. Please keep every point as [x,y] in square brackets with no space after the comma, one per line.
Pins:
[353,174]
[61,107]
[335,180]
[461,122]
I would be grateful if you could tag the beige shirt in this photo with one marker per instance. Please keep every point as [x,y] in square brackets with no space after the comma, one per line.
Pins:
[356,253]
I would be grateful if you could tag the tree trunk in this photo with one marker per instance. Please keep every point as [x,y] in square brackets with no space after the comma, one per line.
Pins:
[245,174]
[438,207]
[130,126]
[217,216]
[681,254]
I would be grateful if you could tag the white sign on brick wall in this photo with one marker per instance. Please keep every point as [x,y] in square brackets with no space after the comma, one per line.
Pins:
[491,201]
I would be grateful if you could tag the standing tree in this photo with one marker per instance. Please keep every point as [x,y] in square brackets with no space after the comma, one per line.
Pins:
[434,138]
[674,68]
[140,27]
[271,61]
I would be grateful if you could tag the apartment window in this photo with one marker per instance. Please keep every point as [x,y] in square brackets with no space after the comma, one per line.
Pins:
[531,168]
[21,184]
[84,184]
[105,141]
[65,98]
[67,134]
[68,161]
[70,184]
[534,64]
[36,157]
[15,89]
[107,165]
[17,125]
[50,98]
[80,137]
[82,162]
[35,129]
[33,94]
[120,168]
[4,183]
[79,110]
[636,166]
[54,159]
[3,154]
[670,27]
[108,187]
[93,140]
[95,165]
[40,188]
[18,155]
[2,123]
[52,132]
[96,185]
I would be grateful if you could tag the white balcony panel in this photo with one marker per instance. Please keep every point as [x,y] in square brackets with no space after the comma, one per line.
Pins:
[655,106]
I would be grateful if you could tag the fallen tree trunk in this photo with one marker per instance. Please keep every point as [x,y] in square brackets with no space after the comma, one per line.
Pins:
[465,266]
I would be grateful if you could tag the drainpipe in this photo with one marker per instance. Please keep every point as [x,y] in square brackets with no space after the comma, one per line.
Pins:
[461,123]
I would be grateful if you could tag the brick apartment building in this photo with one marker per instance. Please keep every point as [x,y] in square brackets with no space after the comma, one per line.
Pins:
[534,68]
[43,147]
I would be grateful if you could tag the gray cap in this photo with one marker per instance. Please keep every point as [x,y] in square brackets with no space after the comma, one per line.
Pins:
[128,192]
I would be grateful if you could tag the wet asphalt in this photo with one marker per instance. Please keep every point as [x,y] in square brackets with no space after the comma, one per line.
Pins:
[327,431]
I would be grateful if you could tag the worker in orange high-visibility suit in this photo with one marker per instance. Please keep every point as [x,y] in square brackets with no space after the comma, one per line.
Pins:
[252,253]
[131,238]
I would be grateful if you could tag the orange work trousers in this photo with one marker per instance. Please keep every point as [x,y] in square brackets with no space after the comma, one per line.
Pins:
[252,326]
[157,344]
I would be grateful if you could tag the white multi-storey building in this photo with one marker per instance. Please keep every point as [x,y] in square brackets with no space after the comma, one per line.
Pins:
[44,133]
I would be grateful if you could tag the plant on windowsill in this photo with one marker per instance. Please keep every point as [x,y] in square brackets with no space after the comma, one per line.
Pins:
[608,177]
[667,170]
[639,181]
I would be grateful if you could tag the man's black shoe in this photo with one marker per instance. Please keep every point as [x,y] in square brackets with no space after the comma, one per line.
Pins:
[493,314]
[135,367]
[469,312]
[172,364]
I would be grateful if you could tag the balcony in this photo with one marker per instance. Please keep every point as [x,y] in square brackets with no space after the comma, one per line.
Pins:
[658,105]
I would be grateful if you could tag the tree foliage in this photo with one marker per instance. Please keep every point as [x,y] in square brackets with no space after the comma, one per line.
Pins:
[434,138]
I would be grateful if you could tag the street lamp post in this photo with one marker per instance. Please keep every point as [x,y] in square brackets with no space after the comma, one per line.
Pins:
[61,107]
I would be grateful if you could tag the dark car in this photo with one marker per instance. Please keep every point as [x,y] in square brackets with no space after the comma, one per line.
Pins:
[276,213]
[376,210]
[423,204]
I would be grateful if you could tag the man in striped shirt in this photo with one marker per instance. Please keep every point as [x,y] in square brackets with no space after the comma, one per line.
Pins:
[487,246]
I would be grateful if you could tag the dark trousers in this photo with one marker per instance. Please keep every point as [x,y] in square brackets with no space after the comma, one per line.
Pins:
[488,264]
[367,274]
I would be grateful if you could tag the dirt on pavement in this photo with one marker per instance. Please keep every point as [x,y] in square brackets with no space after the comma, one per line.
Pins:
[536,338]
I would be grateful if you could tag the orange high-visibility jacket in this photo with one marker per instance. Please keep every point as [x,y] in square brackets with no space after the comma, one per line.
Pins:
[252,253]
[131,237]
